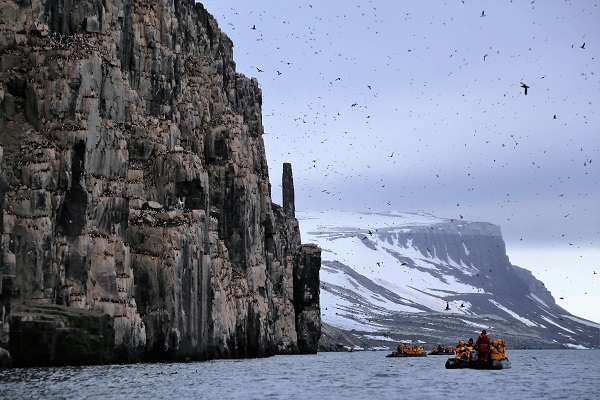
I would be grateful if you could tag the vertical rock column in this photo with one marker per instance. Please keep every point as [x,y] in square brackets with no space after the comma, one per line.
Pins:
[306,298]
[287,183]
[307,264]
[5,281]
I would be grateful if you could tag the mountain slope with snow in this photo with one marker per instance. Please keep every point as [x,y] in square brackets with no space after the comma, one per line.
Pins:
[414,277]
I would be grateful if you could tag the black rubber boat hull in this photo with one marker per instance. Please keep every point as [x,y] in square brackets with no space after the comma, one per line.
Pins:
[396,354]
[455,363]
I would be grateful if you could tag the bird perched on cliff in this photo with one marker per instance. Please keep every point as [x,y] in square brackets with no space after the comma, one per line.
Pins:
[524,86]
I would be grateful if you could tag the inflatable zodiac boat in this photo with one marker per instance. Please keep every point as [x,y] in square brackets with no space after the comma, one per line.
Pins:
[467,358]
[405,351]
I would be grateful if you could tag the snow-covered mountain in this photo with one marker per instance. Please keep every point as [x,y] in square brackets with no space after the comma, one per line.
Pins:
[416,278]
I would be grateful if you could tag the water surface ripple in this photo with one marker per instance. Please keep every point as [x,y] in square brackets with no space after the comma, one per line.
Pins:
[535,374]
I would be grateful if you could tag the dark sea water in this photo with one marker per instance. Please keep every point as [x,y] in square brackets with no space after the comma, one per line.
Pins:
[535,374]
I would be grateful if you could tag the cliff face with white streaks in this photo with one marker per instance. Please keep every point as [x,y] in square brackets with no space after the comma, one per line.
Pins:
[137,218]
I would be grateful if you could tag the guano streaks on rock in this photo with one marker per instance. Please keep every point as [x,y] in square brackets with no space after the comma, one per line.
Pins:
[135,185]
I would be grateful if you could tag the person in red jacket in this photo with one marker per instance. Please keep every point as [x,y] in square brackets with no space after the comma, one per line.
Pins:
[483,347]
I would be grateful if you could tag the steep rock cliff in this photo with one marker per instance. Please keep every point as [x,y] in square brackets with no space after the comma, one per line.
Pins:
[135,184]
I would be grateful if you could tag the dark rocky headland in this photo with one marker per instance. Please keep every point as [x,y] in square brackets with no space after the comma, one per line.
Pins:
[137,219]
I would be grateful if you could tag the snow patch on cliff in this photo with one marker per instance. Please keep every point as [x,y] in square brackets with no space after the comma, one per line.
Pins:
[557,325]
[379,270]
[524,320]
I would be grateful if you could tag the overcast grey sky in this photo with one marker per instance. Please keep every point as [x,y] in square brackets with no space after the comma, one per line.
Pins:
[418,106]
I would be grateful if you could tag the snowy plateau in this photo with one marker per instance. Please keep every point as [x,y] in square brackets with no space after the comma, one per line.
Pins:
[415,278]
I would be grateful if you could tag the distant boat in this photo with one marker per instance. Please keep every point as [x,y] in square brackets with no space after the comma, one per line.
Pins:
[353,349]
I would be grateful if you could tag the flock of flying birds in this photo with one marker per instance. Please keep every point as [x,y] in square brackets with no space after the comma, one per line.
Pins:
[384,105]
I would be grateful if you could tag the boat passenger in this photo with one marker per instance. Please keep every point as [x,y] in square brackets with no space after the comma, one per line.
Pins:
[498,350]
[461,350]
[482,345]
[470,343]
[502,347]
[402,349]
[494,351]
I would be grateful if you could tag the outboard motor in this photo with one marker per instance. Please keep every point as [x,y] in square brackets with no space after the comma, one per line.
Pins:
[473,355]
